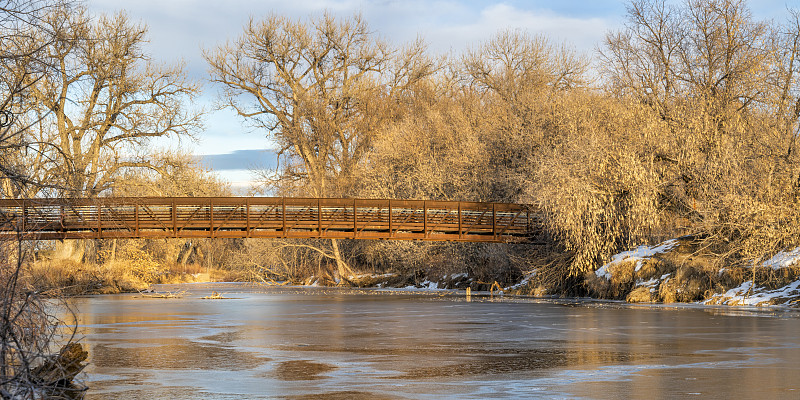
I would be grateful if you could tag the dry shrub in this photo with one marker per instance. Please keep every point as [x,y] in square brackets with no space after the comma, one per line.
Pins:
[625,277]
[69,278]
[139,264]
[598,189]
[237,275]
[642,294]
[688,284]
[551,276]
[770,278]
[621,282]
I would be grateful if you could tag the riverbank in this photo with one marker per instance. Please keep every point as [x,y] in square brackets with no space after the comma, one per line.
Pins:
[67,278]
[677,271]
[674,271]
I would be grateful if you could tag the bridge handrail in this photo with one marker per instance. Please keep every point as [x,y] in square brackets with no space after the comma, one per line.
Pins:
[124,217]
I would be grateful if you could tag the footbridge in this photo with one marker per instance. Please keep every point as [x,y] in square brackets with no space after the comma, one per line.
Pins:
[266,217]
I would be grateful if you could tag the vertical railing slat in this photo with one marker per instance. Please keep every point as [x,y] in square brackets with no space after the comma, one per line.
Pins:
[355,219]
[283,216]
[247,215]
[425,218]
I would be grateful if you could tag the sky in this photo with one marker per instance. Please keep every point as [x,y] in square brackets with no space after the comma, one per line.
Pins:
[180,29]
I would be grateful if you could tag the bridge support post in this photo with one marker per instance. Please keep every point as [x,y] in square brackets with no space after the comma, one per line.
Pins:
[494,221]
[425,219]
[460,224]
[24,217]
[355,219]
[136,220]
[283,216]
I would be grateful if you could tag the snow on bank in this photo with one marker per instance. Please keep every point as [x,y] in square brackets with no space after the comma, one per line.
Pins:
[426,285]
[747,295]
[524,282]
[783,259]
[639,254]
[652,284]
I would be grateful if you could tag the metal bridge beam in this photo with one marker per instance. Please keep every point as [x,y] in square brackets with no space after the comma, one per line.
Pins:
[266,217]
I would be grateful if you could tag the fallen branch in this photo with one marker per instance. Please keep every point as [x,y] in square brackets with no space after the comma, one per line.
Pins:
[215,296]
[167,295]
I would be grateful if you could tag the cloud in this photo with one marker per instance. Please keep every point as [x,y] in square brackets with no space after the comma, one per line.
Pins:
[180,29]
[240,160]
[584,33]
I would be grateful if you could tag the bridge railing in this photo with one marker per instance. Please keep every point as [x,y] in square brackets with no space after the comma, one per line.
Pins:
[266,217]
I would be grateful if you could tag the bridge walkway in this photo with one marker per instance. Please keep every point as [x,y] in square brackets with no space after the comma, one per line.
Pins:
[266,217]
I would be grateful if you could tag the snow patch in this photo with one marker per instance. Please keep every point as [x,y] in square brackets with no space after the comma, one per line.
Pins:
[525,281]
[425,285]
[651,284]
[639,254]
[783,259]
[748,295]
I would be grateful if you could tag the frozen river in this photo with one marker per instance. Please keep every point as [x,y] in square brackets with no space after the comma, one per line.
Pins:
[302,343]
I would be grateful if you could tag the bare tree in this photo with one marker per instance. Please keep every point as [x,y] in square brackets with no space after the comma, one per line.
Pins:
[710,50]
[322,90]
[106,99]
[514,62]
[519,77]
[23,37]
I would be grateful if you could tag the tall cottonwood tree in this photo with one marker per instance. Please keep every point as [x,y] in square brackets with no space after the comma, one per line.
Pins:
[97,109]
[105,100]
[711,53]
[321,90]
[23,38]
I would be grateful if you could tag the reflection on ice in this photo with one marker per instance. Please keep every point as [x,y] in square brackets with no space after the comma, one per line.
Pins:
[308,343]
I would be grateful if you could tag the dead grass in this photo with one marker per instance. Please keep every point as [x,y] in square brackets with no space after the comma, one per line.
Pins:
[641,295]
[69,278]
[64,277]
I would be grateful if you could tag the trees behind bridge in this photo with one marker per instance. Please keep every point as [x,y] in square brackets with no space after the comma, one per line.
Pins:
[323,90]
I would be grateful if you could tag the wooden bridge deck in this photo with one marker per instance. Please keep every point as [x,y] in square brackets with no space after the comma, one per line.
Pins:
[265,217]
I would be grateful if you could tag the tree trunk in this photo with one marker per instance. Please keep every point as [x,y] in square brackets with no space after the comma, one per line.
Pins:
[185,252]
[70,249]
[112,252]
[345,272]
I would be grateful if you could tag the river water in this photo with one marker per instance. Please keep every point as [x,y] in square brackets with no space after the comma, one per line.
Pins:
[300,343]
